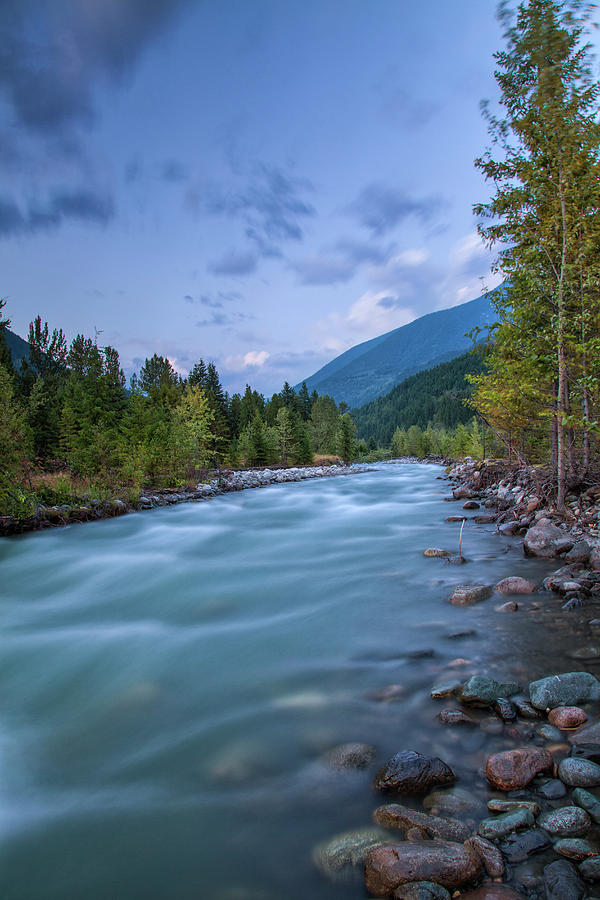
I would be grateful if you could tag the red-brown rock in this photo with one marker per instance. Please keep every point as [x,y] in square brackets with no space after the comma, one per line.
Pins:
[493,892]
[512,770]
[567,717]
[451,865]
[514,584]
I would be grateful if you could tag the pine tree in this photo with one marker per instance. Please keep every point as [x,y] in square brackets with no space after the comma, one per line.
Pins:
[346,445]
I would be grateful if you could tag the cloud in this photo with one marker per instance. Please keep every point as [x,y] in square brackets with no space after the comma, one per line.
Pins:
[171,170]
[254,359]
[234,263]
[52,54]
[83,205]
[270,203]
[381,208]
[214,301]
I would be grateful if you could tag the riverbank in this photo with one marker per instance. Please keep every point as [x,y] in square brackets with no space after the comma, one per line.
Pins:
[223,482]
[539,838]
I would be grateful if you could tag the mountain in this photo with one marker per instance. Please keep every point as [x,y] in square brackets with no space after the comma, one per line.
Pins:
[18,347]
[372,369]
[433,396]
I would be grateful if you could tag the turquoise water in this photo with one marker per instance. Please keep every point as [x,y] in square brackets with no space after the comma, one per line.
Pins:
[170,682]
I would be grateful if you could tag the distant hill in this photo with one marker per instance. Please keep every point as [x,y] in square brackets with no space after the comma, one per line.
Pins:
[433,396]
[372,369]
[18,347]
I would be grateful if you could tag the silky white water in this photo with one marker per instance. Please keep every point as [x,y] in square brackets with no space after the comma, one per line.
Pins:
[170,682]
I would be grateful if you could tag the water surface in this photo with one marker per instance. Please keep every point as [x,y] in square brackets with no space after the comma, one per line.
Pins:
[170,682]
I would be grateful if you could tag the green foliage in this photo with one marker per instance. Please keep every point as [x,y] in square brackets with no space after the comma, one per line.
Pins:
[346,443]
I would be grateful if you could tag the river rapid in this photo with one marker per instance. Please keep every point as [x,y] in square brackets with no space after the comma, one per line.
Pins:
[171,682]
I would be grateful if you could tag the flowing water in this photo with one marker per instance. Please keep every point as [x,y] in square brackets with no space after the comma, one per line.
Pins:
[171,681]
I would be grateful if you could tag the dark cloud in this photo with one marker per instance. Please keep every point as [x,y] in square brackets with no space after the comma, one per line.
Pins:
[222,319]
[390,302]
[361,252]
[271,204]
[215,301]
[173,171]
[82,205]
[381,208]
[52,54]
[234,263]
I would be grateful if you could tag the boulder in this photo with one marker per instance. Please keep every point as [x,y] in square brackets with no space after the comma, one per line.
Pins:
[511,770]
[567,689]
[544,541]
[514,584]
[449,864]
[466,594]
[562,881]
[410,772]
[393,815]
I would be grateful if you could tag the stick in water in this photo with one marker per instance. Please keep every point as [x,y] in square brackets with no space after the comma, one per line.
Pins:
[460,538]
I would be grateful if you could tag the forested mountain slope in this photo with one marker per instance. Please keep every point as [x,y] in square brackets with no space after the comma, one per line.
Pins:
[372,369]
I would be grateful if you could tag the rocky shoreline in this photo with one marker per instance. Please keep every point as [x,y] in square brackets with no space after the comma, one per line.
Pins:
[539,838]
[222,483]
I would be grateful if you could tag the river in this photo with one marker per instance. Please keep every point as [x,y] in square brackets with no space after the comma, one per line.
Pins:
[171,680]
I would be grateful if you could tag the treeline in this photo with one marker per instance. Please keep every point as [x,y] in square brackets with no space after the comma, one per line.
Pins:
[67,409]
[541,394]
[435,397]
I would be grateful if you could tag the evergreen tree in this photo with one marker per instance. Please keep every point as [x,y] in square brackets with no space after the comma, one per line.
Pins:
[304,403]
[15,441]
[346,446]
[5,354]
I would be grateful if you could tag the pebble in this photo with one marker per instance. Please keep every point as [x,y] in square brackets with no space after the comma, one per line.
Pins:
[590,868]
[394,815]
[562,881]
[514,584]
[503,806]
[549,732]
[455,717]
[499,826]
[453,801]
[509,606]
[552,789]
[575,848]
[421,890]
[567,716]
[410,772]
[484,691]
[337,857]
[466,594]
[589,802]
[520,846]
[445,689]
[491,857]
[514,769]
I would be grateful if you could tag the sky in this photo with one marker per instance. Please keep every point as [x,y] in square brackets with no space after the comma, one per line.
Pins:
[260,183]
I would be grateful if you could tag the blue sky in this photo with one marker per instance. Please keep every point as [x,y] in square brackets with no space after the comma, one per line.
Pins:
[262,183]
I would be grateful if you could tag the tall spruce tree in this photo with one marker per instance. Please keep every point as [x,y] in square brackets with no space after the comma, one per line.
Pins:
[544,215]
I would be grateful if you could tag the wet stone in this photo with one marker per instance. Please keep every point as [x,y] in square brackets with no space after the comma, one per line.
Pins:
[509,606]
[567,717]
[484,691]
[524,707]
[471,504]
[514,769]
[562,881]
[590,868]
[514,584]
[579,772]
[504,806]
[394,815]
[445,689]
[567,821]
[575,848]
[498,827]
[587,801]
[410,772]
[466,594]
[505,710]
[449,864]
[567,689]
[493,892]
[519,847]
[585,653]
[421,890]
[552,789]
[490,856]
[436,552]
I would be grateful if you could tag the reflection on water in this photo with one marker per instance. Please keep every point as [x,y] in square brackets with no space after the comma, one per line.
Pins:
[171,681]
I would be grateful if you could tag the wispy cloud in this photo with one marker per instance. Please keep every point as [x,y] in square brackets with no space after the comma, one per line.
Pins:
[82,205]
[380,208]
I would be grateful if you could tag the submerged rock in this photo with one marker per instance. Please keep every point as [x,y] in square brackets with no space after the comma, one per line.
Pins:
[499,826]
[437,552]
[512,770]
[562,881]
[455,717]
[567,716]
[453,801]
[466,594]
[409,772]
[567,821]
[588,802]
[590,868]
[340,857]
[350,756]
[493,892]
[451,865]
[421,890]
[518,847]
